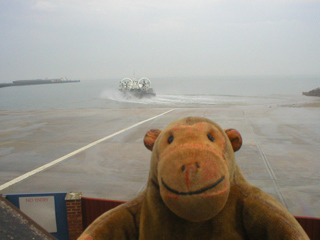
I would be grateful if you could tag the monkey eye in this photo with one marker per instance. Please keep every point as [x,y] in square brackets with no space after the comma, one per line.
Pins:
[170,139]
[210,137]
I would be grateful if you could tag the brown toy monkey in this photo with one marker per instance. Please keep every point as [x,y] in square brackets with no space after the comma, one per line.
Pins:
[196,191]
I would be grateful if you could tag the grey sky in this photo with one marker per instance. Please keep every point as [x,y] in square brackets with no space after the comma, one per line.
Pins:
[100,39]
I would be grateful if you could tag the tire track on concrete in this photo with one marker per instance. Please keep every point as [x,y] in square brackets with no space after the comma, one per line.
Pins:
[267,164]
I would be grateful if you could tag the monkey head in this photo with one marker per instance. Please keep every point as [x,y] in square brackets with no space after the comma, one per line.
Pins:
[193,163]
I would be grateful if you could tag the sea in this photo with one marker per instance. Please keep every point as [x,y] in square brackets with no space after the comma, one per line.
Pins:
[171,92]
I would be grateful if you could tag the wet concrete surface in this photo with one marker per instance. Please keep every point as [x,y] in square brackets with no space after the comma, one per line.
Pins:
[280,153]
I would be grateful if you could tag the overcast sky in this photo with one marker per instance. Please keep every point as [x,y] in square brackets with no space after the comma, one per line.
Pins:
[101,39]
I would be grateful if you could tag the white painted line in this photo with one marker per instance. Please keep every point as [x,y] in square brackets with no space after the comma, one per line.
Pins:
[50,164]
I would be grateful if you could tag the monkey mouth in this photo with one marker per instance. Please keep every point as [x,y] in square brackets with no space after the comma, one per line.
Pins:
[202,190]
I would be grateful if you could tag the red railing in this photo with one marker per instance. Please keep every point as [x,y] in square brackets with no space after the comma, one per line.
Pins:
[93,208]
[311,226]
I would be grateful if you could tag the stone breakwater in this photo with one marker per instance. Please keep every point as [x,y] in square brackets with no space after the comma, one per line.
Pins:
[314,92]
[36,82]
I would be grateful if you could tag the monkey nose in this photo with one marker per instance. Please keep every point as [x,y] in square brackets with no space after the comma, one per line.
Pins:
[193,165]
[190,171]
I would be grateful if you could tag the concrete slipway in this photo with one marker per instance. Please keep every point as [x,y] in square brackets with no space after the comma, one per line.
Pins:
[280,153]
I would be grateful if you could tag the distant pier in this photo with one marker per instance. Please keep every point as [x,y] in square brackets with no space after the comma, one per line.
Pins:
[36,82]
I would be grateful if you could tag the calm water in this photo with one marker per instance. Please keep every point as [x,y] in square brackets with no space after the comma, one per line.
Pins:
[177,92]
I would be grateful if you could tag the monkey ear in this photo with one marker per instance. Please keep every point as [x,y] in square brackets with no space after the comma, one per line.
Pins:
[150,138]
[235,138]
